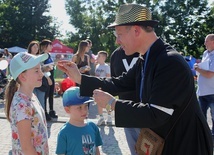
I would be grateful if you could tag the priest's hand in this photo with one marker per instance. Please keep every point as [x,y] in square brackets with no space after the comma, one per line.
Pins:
[104,99]
[70,69]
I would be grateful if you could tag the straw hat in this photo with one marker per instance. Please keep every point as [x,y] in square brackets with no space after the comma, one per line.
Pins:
[133,14]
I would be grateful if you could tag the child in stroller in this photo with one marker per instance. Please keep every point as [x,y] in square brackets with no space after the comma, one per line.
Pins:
[3,83]
[3,77]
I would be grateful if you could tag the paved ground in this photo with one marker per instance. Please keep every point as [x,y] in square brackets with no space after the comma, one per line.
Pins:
[114,142]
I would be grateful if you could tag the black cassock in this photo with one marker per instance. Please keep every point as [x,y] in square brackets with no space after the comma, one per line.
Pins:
[169,83]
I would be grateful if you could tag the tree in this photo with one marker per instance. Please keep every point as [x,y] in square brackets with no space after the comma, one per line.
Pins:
[91,22]
[183,24]
[24,21]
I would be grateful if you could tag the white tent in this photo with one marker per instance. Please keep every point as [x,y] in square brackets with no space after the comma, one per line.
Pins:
[16,49]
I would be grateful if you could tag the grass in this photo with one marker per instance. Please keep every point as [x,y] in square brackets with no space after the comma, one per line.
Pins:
[58,75]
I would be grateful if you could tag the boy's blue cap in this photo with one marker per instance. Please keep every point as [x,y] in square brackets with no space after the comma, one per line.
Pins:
[72,97]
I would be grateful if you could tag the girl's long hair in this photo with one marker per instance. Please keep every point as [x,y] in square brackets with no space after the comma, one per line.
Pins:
[81,50]
[43,45]
[11,88]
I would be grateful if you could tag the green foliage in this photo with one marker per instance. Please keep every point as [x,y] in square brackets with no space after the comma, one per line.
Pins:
[91,18]
[186,23]
[183,24]
[24,21]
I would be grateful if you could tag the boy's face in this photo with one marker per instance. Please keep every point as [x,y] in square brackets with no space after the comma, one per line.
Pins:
[101,58]
[77,112]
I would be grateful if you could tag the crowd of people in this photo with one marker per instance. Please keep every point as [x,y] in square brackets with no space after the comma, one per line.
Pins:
[153,82]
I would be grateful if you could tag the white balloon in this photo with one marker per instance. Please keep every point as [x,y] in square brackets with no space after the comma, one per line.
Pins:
[3,64]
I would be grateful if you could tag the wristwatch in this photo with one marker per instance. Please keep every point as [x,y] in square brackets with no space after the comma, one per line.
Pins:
[108,106]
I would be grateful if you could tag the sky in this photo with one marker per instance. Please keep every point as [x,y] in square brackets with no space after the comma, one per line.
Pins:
[58,10]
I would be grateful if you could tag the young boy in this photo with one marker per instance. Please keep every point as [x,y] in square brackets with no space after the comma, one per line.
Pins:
[102,70]
[76,136]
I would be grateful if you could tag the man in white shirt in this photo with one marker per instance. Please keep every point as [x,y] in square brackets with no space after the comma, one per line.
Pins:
[205,71]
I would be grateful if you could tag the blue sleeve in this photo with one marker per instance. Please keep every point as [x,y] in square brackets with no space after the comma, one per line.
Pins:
[98,139]
[61,143]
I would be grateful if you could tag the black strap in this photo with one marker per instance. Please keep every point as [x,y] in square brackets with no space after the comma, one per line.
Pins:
[183,110]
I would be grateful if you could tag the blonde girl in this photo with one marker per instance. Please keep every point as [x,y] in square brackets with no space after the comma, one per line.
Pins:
[23,110]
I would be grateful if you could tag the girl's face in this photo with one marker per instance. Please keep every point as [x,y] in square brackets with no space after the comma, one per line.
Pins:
[49,48]
[5,51]
[78,113]
[87,48]
[35,49]
[32,77]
